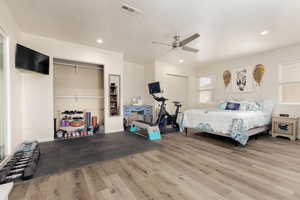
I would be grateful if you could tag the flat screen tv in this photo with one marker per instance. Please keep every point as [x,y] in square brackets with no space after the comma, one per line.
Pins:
[29,59]
[154,88]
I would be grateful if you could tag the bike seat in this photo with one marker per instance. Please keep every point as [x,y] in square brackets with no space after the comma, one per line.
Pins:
[177,103]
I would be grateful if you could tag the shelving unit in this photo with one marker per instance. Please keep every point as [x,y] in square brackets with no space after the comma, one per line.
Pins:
[114,95]
[68,128]
[70,138]
[113,104]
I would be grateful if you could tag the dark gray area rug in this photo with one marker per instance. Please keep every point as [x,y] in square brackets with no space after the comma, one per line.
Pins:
[61,155]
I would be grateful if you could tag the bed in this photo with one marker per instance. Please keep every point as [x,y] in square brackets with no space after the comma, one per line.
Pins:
[237,124]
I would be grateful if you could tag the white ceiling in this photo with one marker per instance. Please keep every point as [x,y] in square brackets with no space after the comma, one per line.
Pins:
[228,28]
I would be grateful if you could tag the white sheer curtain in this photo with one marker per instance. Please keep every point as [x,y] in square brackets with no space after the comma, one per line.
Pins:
[205,89]
[289,76]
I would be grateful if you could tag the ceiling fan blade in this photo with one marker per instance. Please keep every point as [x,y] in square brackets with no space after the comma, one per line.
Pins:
[161,43]
[189,39]
[185,48]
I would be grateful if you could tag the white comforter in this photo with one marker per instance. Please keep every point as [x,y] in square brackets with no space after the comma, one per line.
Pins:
[233,123]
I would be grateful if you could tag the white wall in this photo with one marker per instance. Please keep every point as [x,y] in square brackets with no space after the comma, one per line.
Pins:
[134,81]
[38,89]
[10,27]
[270,84]
[149,75]
[158,70]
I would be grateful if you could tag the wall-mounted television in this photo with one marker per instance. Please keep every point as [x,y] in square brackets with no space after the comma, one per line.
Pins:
[29,59]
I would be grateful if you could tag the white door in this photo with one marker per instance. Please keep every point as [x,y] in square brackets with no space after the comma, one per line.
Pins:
[176,89]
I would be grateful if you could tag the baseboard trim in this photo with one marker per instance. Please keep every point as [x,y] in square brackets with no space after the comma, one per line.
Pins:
[45,139]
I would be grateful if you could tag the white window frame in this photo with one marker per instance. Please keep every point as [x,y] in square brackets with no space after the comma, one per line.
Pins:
[281,82]
[7,99]
[211,88]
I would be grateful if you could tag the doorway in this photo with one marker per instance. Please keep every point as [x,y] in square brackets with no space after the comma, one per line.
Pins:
[176,89]
[78,99]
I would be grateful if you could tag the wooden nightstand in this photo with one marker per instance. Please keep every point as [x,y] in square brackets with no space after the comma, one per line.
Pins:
[285,126]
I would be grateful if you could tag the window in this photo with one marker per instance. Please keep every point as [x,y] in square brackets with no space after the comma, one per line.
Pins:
[2,116]
[205,89]
[289,83]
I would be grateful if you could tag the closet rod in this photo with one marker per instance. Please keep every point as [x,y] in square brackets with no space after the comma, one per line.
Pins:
[80,66]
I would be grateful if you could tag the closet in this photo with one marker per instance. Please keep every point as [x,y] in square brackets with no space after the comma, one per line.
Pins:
[78,99]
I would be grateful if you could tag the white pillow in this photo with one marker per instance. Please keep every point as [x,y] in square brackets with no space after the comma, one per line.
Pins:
[222,106]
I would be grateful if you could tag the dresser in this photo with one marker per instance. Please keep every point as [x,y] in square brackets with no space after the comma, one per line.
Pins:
[285,127]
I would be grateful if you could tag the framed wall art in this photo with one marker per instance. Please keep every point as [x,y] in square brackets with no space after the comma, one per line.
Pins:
[242,80]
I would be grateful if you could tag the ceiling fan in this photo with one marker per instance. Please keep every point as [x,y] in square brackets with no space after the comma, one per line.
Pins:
[181,43]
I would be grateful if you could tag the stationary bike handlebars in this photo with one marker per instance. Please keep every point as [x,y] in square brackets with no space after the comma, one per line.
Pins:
[163,99]
[159,99]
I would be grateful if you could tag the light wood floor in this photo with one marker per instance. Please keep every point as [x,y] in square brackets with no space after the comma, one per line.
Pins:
[197,168]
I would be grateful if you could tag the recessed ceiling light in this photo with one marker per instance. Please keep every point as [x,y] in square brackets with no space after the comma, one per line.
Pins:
[265,32]
[181,60]
[100,41]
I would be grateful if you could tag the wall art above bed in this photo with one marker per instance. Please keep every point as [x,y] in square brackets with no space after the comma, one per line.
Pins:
[242,80]
[258,73]
[227,77]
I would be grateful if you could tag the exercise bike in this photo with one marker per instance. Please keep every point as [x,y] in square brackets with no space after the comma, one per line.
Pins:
[166,122]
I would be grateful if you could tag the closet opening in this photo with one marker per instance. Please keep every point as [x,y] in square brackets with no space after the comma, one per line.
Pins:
[78,99]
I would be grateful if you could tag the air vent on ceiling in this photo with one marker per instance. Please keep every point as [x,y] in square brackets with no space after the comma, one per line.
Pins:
[131,9]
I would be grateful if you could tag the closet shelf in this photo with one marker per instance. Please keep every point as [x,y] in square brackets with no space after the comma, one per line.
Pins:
[79,97]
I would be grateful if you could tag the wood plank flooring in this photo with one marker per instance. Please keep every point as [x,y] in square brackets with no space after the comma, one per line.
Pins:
[197,167]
